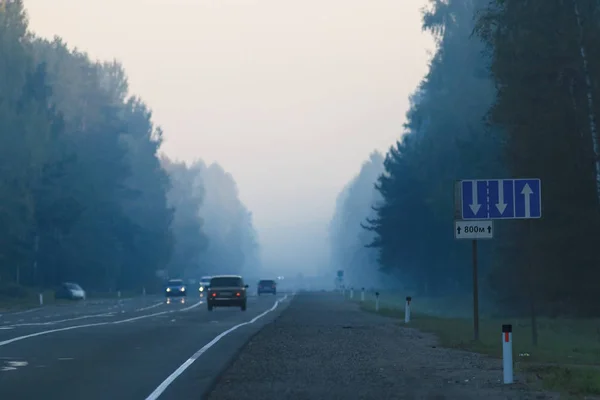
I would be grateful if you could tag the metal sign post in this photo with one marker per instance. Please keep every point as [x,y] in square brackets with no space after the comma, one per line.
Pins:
[474,230]
[481,202]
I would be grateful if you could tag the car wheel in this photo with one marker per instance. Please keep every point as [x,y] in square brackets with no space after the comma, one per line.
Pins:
[243,307]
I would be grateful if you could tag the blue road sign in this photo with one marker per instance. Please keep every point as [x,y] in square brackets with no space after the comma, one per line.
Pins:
[501,199]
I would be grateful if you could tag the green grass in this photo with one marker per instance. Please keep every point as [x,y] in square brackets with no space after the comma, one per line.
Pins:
[566,359]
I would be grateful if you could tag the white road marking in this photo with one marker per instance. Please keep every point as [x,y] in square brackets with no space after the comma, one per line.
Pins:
[13,365]
[150,307]
[70,328]
[6,328]
[192,306]
[167,382]
[26,311]
[64,320]
[17,363]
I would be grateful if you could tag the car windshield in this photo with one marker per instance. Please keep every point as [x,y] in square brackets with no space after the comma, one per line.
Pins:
[266,283]
[72,286]
[175,282]
[205,282]
[226,281]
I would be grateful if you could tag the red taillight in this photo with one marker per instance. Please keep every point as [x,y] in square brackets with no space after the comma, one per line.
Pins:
[214,295]
[238,294]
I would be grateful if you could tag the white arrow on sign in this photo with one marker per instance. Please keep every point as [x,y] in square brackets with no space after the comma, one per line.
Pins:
[475,206]
[527,192]
[501,205]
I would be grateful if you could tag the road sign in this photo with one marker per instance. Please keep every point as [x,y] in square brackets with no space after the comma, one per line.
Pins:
[474,230]
[340,273]
[501,199]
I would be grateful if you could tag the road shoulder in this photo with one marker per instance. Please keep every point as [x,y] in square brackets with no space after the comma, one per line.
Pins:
[322,347]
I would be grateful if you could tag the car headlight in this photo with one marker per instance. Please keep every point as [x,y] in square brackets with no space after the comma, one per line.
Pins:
[202,288]
[168,289]
[182,289]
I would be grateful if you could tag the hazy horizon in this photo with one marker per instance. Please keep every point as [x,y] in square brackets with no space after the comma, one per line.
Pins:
[290,98]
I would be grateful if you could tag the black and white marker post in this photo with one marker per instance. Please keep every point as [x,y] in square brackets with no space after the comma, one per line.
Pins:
[407,310]
[362,295]
[351,292]
[507,360]
[376,301]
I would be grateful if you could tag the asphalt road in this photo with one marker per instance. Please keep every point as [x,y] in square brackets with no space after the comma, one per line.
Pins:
[143,348]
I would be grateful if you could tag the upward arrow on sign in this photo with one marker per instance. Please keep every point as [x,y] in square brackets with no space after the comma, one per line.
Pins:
[527,192]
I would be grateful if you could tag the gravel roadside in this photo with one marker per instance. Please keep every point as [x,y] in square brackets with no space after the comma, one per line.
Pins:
[323,347]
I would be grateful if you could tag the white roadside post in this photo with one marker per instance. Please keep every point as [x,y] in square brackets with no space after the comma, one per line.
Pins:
[119,294]
[362,295]
[144,291]
[407,310]
[351,292]
[507,360]
[41,297]
[376,301]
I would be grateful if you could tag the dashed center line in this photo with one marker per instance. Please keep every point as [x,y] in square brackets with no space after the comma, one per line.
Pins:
[150,307]
[64,320]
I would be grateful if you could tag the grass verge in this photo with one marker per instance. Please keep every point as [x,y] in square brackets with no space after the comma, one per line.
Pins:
[566,359]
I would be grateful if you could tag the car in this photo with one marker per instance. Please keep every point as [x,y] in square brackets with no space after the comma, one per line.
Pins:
[175,287]
[70,291]
[226,291]
[204,283]
[266,286]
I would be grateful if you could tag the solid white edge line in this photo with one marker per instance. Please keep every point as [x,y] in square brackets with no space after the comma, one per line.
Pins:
[70,328]
[171,378]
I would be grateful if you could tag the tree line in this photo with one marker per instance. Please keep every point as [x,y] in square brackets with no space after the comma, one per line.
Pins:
[512,91]
[85,194]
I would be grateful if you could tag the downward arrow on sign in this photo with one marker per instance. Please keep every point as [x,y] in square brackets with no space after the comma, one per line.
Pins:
[501,205]
[474,206]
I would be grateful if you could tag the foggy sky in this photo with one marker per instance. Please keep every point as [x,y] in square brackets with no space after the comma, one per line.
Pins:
[289,96]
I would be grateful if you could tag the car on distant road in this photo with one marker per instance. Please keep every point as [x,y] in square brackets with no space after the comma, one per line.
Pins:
[226,291]
[70,291]
[204,283]
[175,288]
[266,286]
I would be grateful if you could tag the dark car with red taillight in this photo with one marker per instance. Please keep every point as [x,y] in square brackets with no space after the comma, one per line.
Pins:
[226,291]
[267,286]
